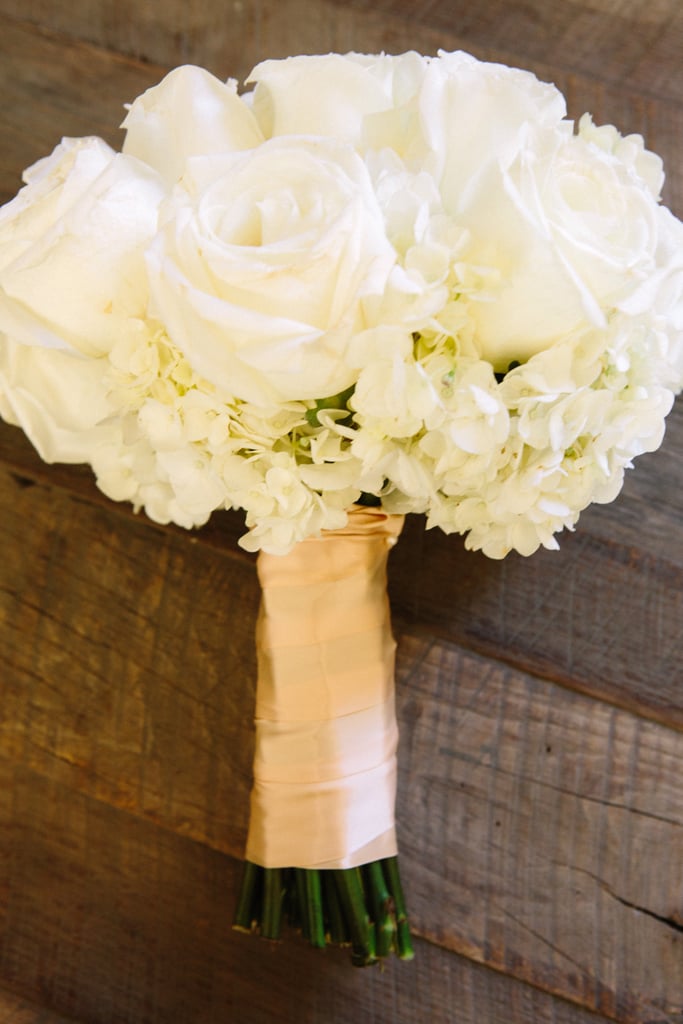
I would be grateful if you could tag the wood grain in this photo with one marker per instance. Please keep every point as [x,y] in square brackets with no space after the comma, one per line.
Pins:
[128,673]
[609,40]
[614,41]
[14,1009]
[52,89]
[128,660]
[115,920]
[554,826]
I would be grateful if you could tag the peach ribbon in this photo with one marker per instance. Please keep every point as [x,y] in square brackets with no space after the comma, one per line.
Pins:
[326,735]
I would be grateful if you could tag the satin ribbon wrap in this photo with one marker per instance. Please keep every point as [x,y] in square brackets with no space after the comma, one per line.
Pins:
[326,735]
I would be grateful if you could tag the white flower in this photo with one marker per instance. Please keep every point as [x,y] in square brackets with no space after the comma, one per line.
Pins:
[197,488]
[474,117]
[189,113]
[572,234]
[281,509]
[629,149]
[58,399]
[657,304]
[262,265]
[71,248]
[335,95]
[395,395]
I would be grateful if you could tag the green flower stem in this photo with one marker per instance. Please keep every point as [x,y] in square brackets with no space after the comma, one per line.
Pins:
[381,908]
[273,898]
[337,928]
[404,943]
[352,899]
[363,907]
[245,914]
[302,896]
[316,925]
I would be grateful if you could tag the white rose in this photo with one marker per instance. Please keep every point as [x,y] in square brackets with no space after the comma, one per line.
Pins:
[189,113]
[572,232]
[57,398]
[630,149]
[334,94]
[474,115]
[72,270]
[659,301]
[263,264]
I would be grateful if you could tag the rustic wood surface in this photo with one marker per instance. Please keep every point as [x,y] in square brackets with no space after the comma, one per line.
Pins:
[82,870]
[540,701]
[15,1009]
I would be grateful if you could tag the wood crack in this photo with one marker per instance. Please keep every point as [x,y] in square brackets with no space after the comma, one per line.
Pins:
[670,922]
[674,922]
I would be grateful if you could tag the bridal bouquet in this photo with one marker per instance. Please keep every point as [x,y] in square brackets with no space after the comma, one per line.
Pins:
[367,286]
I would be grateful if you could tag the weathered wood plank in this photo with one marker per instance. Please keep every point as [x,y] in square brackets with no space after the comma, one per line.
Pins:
[52,88]
[115,921]
[542,830]
[621,42]
[14,1009]
[116,656]
[614,40]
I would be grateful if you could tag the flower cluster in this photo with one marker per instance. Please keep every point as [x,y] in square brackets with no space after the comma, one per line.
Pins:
[401,277]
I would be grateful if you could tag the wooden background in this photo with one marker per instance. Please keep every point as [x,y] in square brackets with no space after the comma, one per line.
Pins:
[540,701]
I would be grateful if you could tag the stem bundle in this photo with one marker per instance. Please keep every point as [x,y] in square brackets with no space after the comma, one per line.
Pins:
[363,908]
